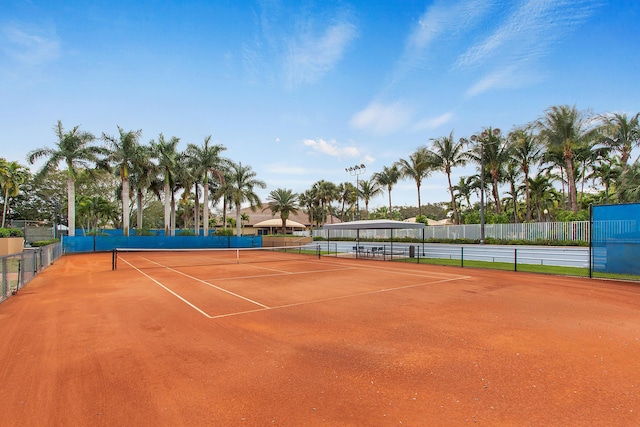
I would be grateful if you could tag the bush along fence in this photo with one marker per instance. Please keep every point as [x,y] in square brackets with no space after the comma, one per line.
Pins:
[577,231]
[19,269]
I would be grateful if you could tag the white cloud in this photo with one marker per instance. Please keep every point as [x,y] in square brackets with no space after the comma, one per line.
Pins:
[382,119]
[431,123]
[512,49]
[28,46]
[310,57]
[331,148]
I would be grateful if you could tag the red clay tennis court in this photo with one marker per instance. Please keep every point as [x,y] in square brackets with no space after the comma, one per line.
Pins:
[168,339]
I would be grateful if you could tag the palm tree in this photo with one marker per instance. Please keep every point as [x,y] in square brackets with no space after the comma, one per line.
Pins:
[512,174]
[143,176]
[123,151]
[367,191]
[543,195]
[12,176]
[388,177]
[608,171]
[166,153]
[285,202]
[243,181]
[563,129]
[417,167]
[629,189]
[347,196]
[621,134]
[446,153]
[308,199]
[464,188]
[75,149]
[204,160]
[326,192]
[527,151]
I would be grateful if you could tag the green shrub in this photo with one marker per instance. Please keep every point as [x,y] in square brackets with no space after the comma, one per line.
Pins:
[44,243]
[224,232]
[186,233]
[11,232]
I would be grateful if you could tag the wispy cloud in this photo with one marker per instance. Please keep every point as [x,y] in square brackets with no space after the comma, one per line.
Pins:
[513,49]
[310,56]
[382,119]
[28,46]
[431,123]
[331,148]
[299,45]
[443,19]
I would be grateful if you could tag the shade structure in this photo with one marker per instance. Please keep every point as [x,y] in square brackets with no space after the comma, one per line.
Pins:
[277,222]
[374,224]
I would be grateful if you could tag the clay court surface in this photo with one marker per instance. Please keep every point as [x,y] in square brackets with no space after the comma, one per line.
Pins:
[333,342]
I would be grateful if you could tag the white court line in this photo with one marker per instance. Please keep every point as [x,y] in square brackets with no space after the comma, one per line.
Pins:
[168,290]
[207,283]
[266,308]
[378,291]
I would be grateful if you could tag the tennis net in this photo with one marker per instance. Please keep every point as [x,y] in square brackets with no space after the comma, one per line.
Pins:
[163,257]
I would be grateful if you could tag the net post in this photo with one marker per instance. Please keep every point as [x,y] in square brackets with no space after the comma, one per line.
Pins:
[114,259]
[318,250]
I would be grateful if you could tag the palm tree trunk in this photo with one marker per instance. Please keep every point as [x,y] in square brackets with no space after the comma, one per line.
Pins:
[205,209]
[238,223]
[284,225]
[571,187]
[125,206]
[167,209]
[453,200]
[4,207]
[139,209]
[196,212]
[173,215]
[71,206]
[390,212]
[419,204]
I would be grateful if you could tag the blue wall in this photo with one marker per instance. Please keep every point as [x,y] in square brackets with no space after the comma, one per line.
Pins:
[77,244]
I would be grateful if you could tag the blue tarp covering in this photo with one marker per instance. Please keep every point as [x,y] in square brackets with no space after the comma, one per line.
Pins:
[78,244]
[615,239]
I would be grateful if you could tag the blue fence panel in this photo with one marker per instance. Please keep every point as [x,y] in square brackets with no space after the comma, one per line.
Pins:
[78,244]
[615,239]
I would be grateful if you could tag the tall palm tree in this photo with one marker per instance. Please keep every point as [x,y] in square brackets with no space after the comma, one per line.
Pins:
[563,129]
[143,177]
[326,192]
[527,151]
[621,134]
[388,177]
[417,167]
[369,189]
[629,189]
[167,154]
[308,199]
[608,171]
[285,202]
[347,196]
[543,195]
[12,176]
[75,150]
[446,154]
[205,160]
[123,150]
[464,188]
[243,181]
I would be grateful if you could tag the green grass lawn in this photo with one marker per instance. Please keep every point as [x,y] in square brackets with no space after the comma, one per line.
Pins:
[529,268]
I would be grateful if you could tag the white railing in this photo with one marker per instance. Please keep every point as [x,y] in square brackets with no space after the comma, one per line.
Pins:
[576,231]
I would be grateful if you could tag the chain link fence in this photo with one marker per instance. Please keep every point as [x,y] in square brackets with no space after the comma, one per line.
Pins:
[19,269]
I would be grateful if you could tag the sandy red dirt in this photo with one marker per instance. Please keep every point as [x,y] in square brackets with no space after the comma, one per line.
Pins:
[334,342]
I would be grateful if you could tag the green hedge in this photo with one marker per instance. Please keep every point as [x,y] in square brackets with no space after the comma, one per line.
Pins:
[44,243]
[490,241]
[11,232]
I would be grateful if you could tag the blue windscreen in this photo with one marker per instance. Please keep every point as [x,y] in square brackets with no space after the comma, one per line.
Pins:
[615,239]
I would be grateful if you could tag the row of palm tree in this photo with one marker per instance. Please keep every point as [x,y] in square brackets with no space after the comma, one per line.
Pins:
[564,145]
[12,175]
[158,167]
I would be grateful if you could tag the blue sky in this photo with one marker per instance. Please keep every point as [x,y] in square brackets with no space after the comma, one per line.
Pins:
[300,89]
